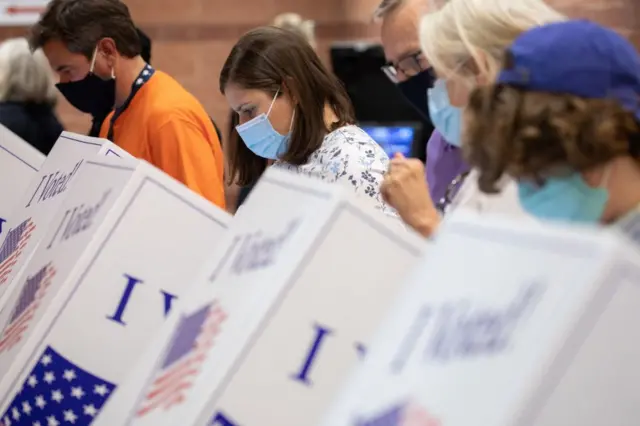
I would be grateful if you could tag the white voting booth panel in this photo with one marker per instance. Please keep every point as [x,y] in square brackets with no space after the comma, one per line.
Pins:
[507,324]
[19,163]
[36,207]
[127,242]
[288,311]
[110,149]
[275,203]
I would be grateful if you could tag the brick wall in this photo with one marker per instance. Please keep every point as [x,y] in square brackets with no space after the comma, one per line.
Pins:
[191,38]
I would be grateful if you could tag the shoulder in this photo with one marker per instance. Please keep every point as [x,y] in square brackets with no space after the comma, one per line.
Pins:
[354,144]
[346,153]
[506,201]
[349,156]
[12,113]
[352,136]
[169,101]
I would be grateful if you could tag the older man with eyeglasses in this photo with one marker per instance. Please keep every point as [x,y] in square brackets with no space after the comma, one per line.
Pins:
[410,71]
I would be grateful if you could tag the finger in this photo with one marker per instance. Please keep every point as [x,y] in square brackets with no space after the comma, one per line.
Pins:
[398,155]
[414,164]
[398,162]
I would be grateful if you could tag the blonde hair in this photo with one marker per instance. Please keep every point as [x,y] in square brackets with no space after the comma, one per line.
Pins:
[467,38]
[25,76]
[294,22]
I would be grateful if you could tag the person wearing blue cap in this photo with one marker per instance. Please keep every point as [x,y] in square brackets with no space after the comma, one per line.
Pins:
[563,119]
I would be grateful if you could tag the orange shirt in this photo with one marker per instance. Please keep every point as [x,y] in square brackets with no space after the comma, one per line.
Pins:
[167,126]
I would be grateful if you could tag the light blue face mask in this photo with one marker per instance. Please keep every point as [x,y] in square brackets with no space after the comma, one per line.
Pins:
[446,118]
[567,198]
[261,138]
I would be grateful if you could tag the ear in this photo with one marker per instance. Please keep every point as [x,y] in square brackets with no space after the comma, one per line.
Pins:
[107,47]
[485,67]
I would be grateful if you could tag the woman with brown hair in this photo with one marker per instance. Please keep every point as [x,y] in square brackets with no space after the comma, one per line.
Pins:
[292,111]
[287,21]
[563,119]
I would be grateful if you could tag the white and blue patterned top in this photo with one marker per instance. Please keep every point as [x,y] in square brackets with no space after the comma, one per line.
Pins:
[348,156]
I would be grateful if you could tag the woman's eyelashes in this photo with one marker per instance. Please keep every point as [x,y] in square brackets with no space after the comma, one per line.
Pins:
[247,113]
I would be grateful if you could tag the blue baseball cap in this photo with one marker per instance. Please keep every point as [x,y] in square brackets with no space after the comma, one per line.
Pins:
[576,57]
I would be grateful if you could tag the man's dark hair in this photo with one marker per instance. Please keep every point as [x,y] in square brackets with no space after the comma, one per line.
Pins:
[80,24]
[145,46]
[269,59]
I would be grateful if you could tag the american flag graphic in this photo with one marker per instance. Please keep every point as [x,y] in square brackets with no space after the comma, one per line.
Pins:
[407,414]
[194,336]
[32,293]
[16,240]
[57,392]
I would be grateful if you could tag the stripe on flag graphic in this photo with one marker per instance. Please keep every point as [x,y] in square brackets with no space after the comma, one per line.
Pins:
[407,414]
[191,341]
[57,392]
[32,293]
[16,240]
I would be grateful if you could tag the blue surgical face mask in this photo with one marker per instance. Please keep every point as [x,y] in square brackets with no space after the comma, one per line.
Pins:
[567,198]
[446,118]
[261,138]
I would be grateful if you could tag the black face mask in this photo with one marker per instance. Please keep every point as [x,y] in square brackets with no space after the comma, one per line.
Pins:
[91,95]
[415,89]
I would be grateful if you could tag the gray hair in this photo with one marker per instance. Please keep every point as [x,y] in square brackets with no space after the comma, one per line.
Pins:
[385,8]
[294,22]
[25,76]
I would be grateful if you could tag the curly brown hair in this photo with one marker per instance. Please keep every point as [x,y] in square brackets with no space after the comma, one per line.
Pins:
[528,134]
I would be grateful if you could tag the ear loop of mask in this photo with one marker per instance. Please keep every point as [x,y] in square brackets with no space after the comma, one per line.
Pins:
[292,118]
[273,101]
[93,64]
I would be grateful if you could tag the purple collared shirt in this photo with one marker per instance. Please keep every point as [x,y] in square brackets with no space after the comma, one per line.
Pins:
[444,164]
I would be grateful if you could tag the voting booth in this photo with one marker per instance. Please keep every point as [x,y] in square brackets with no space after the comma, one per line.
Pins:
[40,201]
[124,246]
[506,324]
[19,163]
[284,311]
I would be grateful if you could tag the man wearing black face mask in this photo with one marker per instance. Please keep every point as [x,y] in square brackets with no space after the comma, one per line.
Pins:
[413,76]
[97,117]
[94,47]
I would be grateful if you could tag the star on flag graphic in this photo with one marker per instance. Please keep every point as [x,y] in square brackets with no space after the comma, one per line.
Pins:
[57,392]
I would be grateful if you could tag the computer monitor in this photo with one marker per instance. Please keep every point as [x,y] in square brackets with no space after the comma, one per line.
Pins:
[375,98]
[394,137]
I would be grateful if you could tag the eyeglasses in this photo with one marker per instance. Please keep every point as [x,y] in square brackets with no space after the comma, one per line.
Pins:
[450,193]
[407,66]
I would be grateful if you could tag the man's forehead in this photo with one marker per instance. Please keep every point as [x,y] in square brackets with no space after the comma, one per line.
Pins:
[60,57]
[399,33]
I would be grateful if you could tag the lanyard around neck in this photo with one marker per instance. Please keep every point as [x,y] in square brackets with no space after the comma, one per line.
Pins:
[140,81]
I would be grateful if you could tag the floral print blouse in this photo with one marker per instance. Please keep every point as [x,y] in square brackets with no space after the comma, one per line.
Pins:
[349,156]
